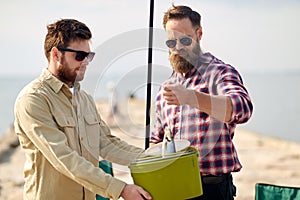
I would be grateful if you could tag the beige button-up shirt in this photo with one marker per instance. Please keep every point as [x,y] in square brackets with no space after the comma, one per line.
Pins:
[63,135]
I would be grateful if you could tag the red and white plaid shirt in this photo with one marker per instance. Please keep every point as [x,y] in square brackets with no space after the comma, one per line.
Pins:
[211,137]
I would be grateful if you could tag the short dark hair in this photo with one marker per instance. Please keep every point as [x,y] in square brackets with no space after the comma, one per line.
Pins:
[63,32]
[181,12]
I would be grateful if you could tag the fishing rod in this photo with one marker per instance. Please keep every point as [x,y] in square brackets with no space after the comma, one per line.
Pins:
[149,75]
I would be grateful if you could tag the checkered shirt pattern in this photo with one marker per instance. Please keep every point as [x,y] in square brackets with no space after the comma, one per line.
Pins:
[211,137]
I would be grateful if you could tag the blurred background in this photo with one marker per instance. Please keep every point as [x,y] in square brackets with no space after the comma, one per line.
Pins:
[259,38]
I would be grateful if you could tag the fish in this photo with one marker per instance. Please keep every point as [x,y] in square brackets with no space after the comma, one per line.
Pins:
[168,144]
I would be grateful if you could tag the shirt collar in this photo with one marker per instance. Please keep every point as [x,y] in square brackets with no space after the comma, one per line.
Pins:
[205,58]
[204,61]
[55,83]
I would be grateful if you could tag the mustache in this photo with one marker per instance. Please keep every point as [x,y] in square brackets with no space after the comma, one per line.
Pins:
[176,52]
[175,58]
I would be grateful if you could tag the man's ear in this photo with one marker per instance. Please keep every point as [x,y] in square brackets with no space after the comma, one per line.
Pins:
[55,54]
[199,33]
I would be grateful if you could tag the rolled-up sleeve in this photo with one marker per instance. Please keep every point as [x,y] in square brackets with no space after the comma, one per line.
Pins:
[230,84]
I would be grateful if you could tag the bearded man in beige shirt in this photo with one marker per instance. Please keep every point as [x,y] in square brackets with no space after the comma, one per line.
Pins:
[61,131]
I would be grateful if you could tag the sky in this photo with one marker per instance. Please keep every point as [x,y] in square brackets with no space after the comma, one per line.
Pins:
[251,35]
[259,36]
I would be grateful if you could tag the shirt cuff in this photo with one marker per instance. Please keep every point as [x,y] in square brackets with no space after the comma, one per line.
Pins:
[236,106]
[115,188]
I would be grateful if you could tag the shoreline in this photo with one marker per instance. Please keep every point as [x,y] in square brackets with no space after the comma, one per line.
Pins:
[265,159]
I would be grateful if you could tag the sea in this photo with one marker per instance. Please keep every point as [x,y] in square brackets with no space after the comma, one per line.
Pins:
[275,96]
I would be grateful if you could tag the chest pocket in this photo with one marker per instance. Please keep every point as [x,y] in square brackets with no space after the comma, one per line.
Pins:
[92,127]
[67,125]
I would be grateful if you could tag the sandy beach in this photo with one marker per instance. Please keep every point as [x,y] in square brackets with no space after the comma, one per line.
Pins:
[265,159]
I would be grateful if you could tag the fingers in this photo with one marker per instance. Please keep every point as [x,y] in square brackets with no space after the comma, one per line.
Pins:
[170,96]
[132,191]
[176,94]
[144,193]
[171,99]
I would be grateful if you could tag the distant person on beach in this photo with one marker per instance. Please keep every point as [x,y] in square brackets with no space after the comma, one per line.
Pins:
[202,101]
[61,131]
[113,103]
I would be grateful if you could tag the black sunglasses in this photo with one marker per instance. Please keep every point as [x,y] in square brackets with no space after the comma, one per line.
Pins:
[80,55]
[186,41]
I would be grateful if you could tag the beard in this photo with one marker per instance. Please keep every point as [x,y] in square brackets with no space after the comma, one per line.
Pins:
[67,74]
[185,64]
[180,64]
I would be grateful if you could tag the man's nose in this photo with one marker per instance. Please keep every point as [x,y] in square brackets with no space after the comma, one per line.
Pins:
[179,46]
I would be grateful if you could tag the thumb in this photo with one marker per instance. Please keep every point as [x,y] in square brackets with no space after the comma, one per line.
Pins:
[170,86]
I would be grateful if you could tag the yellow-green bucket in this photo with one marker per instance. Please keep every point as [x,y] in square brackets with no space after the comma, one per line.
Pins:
[175,176]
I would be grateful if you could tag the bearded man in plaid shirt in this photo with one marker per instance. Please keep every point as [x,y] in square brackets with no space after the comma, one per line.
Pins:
[202,101]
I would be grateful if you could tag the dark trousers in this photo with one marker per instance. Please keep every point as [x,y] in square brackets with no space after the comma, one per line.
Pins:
[217,189]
